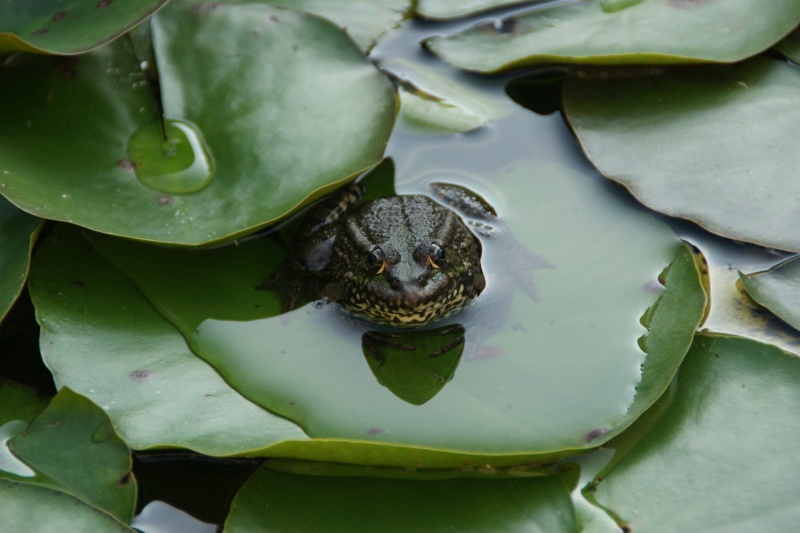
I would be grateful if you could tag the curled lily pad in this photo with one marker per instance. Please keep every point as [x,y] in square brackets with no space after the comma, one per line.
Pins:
[68,27]
[276,501]
[621,32]
[736,400]
[777,289]
[18,231]
[693,143]
[240,86]
[156,392]
[308,366]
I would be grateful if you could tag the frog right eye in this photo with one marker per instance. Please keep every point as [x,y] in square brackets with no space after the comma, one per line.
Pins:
[376,261]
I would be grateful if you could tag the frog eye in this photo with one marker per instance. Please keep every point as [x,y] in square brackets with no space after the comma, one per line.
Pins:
[436,256]
[376,261]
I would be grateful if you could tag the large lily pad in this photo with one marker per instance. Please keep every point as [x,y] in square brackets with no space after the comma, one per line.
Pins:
[68,27]
[275,501]
[694,144]
[699,467]
[622,32]
[450,9]
[241,89]
[777,289]
[18,231]
[156,392]
[308,366]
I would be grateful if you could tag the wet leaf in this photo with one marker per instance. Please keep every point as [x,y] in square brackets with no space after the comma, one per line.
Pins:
[735,404]
[18,232]
[274,142]
[31,508]
[621,32]
[57,444]
[515,372]
[68,26]
[694,144]
[450,9]
[102,339]
[777,289]
[275,501]
[366,21]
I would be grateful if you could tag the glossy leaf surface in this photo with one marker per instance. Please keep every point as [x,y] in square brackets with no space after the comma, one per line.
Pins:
[622,32]
[515,372]
[156,392]
[68,26]
[243,80]
[777,289]
[274,501]
[722,456]
[18,231]
[693,143]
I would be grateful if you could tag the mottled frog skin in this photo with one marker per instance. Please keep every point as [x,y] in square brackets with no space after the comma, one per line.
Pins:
[403,261]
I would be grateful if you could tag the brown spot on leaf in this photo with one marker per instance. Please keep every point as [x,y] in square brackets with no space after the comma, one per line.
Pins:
[104,3]
[140,376]
[124,480]
[595,434]
[164,199]
[41,31]
[374,431]
[126,164]
[59,15]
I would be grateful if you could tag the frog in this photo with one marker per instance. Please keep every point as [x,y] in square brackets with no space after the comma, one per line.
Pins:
[403,261]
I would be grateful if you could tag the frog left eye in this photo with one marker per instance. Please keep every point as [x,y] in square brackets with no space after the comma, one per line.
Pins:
[436,256]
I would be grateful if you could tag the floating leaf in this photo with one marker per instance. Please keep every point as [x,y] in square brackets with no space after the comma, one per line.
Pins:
[58,441]
[68,26]
[450,9]
[649,31]
[18,232]
[274,501]
[514,374]
[100,338]
[777,289]
[31,508]
[694,144]
[242,82]
[736,401]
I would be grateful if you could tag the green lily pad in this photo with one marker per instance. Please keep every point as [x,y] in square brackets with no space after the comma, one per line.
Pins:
[243,83]
[57,444]
[451,9]
[276,501]
[31,508]
[308,366]
[68,26]
[790,46]
[18,231]
[777,289]
[698,468]
[363,20]
[156,392]
[622,32]
[694,144]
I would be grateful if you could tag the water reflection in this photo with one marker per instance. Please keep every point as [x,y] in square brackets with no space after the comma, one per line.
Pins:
[414,365]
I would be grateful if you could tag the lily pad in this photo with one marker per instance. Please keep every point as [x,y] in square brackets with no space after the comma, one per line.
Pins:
[694,144]
[56,444]
[622,32]
[451,9]
[18,232]
[241,81]
[736,401]
[276,501]
[156,392]
[777,289]
[68,26]
[363,20]
[308,366]
[31,508]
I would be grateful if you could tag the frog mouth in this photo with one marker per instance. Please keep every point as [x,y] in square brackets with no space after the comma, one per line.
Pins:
[409,310]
